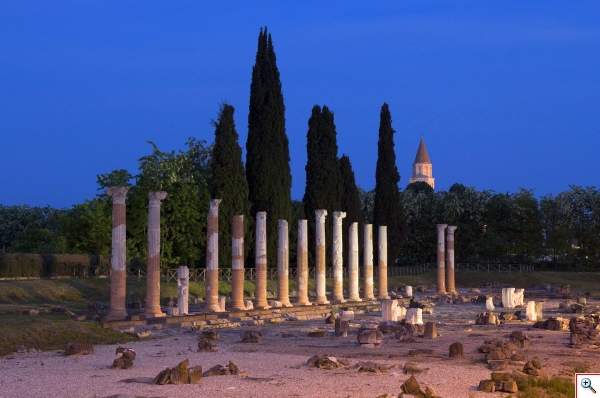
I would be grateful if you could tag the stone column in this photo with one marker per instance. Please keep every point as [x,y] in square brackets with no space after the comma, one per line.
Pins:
[183,289]
[353,263]
[441,261]
[260,261]
[153,256]
[450,259]
[283,263]
[320,257]
[118,274]
[368,263]
[302,263]
[338,257]
[382,285]
[237,264]
[212,257]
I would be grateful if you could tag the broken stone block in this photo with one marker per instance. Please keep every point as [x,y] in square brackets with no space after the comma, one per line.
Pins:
[370,337]
[210,335]
[496,366]
[195,374]
[172,311]
[330,320]
[216,370]
[317,333]
[79,349]
[414,316]
[487,385]
[347,315]
[410,386]
[124,358]
[413,368]
[323,362]
[162,378]
[252,337]
[248,304]
[342,327]
[456,350]
[205,345]
[430,331]
[501,376]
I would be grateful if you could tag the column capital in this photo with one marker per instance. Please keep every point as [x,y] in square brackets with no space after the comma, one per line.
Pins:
[118,194]
[261,215]
[320,216]
[214,207]
[156,197]
[338,217]
[441,227]
[451,229]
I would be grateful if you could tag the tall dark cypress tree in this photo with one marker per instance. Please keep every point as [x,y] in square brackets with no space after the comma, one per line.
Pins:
[229,180]
[387,208]
[350,203]
[267,149]
[324,185]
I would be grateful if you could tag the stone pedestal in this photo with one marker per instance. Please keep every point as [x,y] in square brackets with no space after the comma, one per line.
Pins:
[260,293]
[414,316]
[388,311]
[382,285]
[320,257]
[368,263]
[237,264]
[183,289]
[338,258]
[450,259]
[530,312]
[353,263]
[118,274]
[302,263]
[408,291]
[153,256]
[519,297]
[489,304]
[283,260]
[212,257]
[508,300]
[441,260]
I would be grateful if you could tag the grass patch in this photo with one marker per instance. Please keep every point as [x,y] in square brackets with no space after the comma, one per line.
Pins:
[52,332]
[546,388]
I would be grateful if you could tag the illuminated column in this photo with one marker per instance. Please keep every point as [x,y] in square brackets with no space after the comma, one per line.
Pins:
[368,263]
[353,263]
[283,263]
[260,261]
[450,259]
[118,274]
[302,263]
[441,261]
[212,258]
[338,257]
[382,288]
[237,264]
[320,257]
[153,261]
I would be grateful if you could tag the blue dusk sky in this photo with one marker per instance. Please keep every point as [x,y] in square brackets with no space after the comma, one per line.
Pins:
[505,93]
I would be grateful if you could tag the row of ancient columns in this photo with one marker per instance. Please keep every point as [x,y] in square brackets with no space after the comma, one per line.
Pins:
[153,309]
[445,259]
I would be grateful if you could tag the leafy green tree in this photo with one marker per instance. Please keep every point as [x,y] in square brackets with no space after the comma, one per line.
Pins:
[229,180]
[87,227]
[351,203]
[387,209]
[267,148]
[23,225]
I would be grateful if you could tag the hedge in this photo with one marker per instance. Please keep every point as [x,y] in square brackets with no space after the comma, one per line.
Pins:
[21,265]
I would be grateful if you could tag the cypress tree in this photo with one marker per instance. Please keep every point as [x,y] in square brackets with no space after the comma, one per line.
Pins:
[350,203]
[387,207]
[229,180]
[267,149]
[323,175]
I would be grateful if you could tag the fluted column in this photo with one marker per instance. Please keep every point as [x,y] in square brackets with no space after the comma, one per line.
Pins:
[450,259]
[212,257]
[260,261]
[153,256]
[368,263]
[338,257]
[118,275]
[353,263]
[237,264]
[302,263]
[320,257]
[382,285]
[283,262]
[441,260]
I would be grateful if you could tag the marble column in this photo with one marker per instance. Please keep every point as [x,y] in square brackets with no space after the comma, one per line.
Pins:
[320,257]
[353,263]
[302,263]
[441,261]
[237,264]
[450,259]
[260,262]
[212,258]
[183,289]
[338,257]
[382,285]
[118,274]
[283,263]
[368,263]
[153,257]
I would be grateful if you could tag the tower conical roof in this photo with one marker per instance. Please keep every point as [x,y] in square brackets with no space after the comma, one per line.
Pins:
[422,156]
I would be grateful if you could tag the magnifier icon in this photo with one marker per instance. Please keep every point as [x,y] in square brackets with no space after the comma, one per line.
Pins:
[587,383]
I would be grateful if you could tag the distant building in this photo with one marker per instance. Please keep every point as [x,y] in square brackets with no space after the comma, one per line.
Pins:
[422,168]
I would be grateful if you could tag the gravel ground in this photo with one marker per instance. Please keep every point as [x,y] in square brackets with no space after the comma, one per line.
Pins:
[277,367]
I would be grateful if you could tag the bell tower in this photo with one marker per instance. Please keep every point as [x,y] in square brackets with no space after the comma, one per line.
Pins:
[422,168]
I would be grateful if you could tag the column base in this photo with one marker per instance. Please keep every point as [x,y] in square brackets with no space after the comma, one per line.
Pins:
[338,300]
[159,314]
[441,292]
[117,315]
[383,297]
[213,308]
[321,300]
[302,303]
[287,304]
[261,305]
[369,299]
[354,299]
